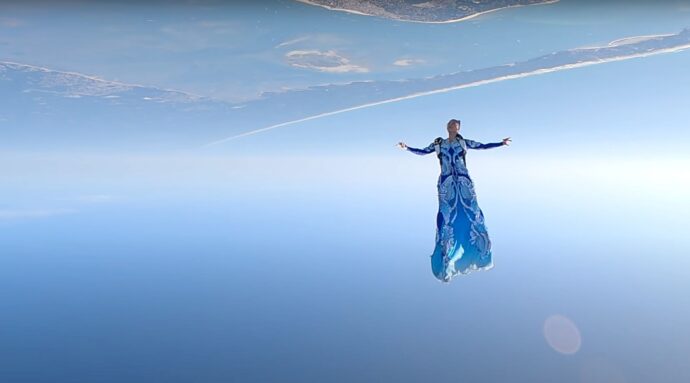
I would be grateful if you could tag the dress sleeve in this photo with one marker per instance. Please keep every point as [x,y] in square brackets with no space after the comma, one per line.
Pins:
[478,145]
[422,151]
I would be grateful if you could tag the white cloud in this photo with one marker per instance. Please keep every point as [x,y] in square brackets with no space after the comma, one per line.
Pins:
[293,41]
[328,61]
[407,62]
[317,40]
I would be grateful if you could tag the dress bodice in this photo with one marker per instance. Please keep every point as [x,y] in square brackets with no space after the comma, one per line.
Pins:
[451,157]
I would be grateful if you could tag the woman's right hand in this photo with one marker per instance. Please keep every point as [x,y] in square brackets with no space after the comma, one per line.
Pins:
[402,145]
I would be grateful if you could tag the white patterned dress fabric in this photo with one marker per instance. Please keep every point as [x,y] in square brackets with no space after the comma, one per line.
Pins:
[462,241]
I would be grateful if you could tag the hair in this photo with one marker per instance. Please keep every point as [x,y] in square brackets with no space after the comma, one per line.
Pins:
[453,120]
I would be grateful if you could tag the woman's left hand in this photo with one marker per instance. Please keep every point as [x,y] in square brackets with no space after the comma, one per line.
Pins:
[506,140]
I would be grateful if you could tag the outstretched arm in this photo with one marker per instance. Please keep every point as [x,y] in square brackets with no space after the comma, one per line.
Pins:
[422,151]
[478,145]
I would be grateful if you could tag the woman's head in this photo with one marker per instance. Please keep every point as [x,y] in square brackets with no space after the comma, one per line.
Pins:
[453,126]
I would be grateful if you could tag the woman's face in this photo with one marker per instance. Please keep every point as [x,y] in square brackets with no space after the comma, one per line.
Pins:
[454,127]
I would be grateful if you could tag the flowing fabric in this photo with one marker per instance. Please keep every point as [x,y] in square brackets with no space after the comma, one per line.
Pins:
[462,241]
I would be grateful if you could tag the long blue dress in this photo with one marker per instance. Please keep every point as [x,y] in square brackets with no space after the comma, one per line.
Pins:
[462,241]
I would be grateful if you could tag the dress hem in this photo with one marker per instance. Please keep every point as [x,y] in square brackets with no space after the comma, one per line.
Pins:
[469,270]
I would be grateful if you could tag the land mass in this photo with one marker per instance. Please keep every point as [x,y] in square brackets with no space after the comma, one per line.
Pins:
[315,102]
[43,107]
[432,11]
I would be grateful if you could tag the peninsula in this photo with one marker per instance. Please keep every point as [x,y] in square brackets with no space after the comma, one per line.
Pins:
[432,11]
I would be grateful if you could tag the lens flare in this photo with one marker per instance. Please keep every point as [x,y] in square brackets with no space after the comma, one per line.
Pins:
[562,334]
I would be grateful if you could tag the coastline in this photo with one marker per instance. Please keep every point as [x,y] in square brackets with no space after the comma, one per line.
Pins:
[472,16]
[635,39]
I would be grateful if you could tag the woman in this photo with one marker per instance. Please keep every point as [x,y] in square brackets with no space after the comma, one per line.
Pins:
[462,242]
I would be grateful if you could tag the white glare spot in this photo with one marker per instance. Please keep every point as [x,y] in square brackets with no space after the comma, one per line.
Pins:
[562,334]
